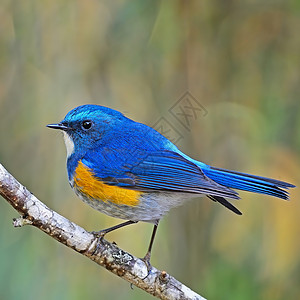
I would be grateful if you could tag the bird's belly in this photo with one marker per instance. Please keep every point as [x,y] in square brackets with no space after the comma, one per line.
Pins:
[150,207]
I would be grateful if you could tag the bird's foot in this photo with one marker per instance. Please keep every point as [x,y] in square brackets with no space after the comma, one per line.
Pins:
[146,260]
[99,235]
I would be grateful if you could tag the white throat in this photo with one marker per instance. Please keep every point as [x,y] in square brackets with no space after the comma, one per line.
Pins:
[69,144]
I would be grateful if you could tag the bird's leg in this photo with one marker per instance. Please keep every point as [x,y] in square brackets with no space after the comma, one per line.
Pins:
[147,257]
[100,234]
[103,232]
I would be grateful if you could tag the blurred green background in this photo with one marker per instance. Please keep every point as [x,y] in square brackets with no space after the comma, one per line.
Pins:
[239,59]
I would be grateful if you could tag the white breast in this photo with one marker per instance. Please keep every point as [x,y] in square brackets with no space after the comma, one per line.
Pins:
[69,144]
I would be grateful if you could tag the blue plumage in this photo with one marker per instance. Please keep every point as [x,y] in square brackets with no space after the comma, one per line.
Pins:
[131,155]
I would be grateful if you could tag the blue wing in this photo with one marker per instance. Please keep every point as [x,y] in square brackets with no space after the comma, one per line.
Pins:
[156,171]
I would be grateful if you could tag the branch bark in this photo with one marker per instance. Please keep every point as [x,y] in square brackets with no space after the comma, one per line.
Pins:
[33,212]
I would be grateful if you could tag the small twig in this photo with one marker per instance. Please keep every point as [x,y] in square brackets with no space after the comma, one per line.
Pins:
[134,270]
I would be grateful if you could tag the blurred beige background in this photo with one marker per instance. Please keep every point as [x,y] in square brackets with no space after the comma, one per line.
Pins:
[239,60]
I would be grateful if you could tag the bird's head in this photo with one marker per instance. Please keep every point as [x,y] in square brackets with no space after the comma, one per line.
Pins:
[86,126]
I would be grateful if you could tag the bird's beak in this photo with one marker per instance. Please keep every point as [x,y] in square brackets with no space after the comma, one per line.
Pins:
[58,126]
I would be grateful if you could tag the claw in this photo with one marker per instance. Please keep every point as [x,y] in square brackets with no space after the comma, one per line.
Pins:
[99,235]
[146,260]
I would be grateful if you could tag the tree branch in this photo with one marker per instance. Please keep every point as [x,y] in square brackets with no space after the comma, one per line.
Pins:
[134,270]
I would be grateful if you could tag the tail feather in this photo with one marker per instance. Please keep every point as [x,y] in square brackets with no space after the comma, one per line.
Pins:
[248,182]
[224,202]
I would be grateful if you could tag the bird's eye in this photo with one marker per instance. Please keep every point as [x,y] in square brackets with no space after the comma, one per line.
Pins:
[86,125]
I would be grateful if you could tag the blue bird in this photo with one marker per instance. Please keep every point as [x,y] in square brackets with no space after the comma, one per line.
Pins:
[130,171]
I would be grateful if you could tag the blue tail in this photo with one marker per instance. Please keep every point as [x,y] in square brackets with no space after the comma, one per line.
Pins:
[247,182]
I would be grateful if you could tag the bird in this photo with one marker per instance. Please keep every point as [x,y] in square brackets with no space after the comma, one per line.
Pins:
[128,170]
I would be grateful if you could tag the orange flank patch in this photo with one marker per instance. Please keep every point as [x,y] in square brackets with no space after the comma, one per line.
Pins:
[90,186]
